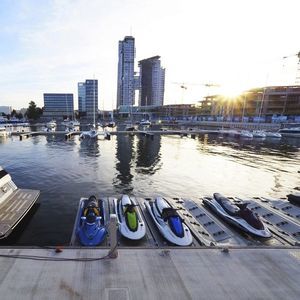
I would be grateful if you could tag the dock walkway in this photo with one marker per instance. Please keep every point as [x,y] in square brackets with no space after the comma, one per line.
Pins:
[152,274]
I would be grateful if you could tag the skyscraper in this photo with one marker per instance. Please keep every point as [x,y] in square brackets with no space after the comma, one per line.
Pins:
[88,98]
[81,97]
[152,82]
[126,81]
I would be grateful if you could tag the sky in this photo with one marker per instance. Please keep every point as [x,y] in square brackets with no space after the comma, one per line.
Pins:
[49,46]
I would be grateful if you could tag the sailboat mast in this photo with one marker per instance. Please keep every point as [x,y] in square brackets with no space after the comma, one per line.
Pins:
[94,101]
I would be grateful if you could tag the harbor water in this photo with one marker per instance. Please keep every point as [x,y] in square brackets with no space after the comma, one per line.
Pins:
[66,170]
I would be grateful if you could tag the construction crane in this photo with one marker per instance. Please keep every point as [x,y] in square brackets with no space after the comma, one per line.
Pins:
[184,86]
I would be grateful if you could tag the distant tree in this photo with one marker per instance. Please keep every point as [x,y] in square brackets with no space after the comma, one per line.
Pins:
[19,116]
[13,113]
[33,112]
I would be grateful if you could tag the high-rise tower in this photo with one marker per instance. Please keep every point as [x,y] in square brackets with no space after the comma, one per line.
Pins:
[88,98]
[152,82]
[81,97]
[126,81]
[91,97]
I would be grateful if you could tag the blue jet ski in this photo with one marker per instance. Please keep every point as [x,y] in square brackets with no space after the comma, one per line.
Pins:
[168,222]
[238,215]
[91,222]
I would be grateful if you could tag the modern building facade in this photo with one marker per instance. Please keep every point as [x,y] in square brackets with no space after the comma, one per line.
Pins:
[58,105]
[264,103]
[126,80]
[91,98]
[6,110]
[81,97]
[152,82]
[88,98]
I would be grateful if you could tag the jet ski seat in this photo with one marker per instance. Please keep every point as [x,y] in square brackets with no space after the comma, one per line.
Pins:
[91,217]
[168,212]
[92,207]
[229,207]
[129,208]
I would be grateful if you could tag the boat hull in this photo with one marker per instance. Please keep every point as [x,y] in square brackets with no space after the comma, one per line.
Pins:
[124,229]
[164,227]
[236,221]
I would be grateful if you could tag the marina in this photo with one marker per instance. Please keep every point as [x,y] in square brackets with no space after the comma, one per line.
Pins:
[145,165]
[153,157]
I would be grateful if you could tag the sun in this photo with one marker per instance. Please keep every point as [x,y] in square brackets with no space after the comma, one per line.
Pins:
[231,91]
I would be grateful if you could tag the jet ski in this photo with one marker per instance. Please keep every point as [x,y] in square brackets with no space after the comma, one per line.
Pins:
[238,215]
[168,222]
[91,229]
[131,224]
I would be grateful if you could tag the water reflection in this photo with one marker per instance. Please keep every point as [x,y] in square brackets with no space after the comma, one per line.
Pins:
[124,156]
[148,155]
[89,147]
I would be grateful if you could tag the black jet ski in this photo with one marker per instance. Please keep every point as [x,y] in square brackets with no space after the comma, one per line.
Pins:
[238,215]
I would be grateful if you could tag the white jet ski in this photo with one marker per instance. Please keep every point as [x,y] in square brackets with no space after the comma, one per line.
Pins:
[238,215]
[169,223]
[131,223]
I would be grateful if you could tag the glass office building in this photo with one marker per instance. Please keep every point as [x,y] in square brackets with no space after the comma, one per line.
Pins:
[58,105]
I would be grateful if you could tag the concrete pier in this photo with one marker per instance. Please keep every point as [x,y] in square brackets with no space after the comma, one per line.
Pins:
[152,274]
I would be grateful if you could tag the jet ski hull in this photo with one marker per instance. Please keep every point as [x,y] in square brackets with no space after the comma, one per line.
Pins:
[93,233]
[140,230]
[164,227]
[235,220]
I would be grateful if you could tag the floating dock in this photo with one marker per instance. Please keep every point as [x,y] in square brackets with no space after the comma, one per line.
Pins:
[221,263]
[209,230]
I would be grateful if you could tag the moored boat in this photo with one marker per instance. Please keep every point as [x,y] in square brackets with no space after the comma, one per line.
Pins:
[168,222]
[238,215]
[15,203]
[130,222]
[3,132]
[91,221]
[258,134]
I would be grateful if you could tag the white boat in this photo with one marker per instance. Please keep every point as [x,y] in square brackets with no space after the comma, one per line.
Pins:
[246,134]
[270,134]
[15,203]
[71,123]
[3,132]
[51,124]
[168,222]
[145,123]
[290,132]
[91,134]
[229,132]
[258,134]
[74,123]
